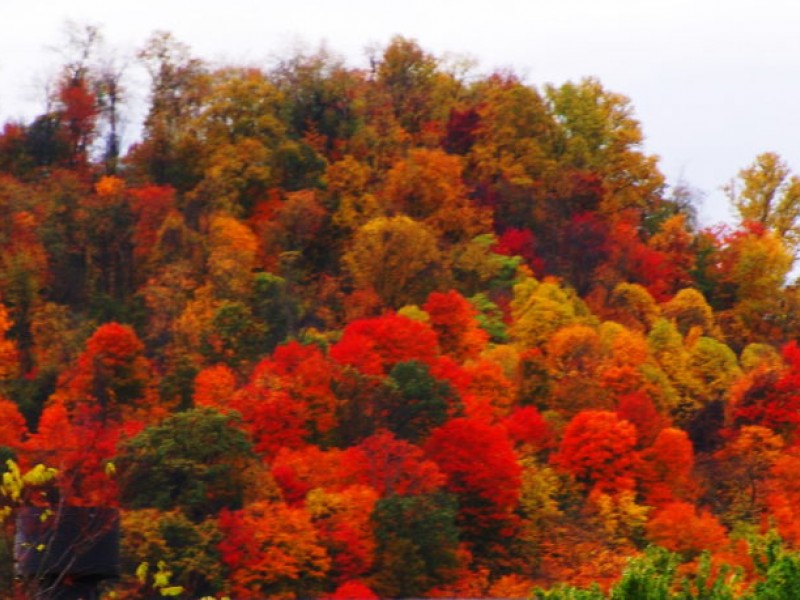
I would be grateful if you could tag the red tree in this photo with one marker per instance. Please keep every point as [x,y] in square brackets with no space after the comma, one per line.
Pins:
[374,346]
[598,448]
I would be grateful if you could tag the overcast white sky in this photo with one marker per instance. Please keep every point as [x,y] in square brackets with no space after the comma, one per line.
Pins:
[713,83]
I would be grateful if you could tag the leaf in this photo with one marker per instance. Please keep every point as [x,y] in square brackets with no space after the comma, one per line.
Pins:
[174,590]
[141,572]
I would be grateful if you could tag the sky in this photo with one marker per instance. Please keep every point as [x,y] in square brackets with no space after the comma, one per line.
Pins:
[713,83]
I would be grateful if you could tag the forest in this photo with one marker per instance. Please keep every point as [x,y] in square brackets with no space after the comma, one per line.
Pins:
[389,332]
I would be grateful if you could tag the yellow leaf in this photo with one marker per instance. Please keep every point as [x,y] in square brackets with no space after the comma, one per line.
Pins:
[141,572]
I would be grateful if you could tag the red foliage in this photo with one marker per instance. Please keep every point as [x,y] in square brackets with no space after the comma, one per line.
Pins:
[352,590]
[527,429]
[112,379]
[453,319]
[391,466]
[374,346]
[273,418]
[307,375]
[520,242]
[461,131]
[772,401]
[13,429]
[599,448]
[299,471]
[79,111]
[150,205]
[79,446]
[481,468]
[666,468]
[638,408]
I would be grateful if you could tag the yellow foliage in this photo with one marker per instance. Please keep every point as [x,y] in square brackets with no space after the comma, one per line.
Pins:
[396,256]
[233,249]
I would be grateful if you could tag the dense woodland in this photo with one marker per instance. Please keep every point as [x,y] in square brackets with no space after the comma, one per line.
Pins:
[394,331]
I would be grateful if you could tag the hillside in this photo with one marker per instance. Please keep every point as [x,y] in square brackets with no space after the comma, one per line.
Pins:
[395,332]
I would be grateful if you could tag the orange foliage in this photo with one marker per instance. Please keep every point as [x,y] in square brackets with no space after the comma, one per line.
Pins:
[489,387]
[666,469]
[214,387]
[271,550]
[680,527]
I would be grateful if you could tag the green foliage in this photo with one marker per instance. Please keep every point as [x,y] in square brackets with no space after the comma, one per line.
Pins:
[779,570]
[649,577]
[193,461]
[566,592]
[420,403]
[273,305]
[417,541]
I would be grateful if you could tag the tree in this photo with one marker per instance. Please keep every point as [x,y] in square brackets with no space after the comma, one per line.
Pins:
[391,466]
[598,448]
[666,469]
[689,309]
[408,74]
[342,519]
[232,257]
[454,319]
[682,528]
[111,377]
[417,541]
[598,131]
[482,471]
[769,194]
[272,550]
[189,549]
[214,387]
[428,186]
[375,346]
[177,88]
[420,402]
[396,256]
[307,376]
[541,308]
[194,461]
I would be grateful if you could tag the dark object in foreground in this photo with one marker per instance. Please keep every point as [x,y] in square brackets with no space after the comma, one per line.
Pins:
[65,553]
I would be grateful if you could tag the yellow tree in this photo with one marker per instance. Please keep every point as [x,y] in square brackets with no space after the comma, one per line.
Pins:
[540,308]
[397,257]
[769,194]
[689,309]
[233,250]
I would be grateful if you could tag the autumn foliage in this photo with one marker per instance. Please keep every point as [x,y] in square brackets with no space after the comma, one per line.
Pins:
[398,331]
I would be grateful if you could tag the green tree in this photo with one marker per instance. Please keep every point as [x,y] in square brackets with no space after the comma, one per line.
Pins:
[194,461]
[417,539]
[419,403]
